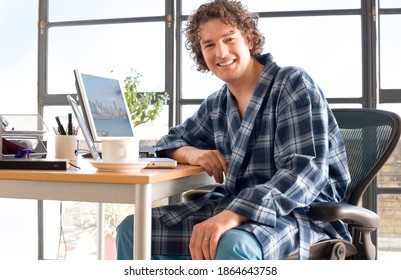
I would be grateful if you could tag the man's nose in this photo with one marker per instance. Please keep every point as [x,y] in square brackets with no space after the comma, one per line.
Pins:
[221,50]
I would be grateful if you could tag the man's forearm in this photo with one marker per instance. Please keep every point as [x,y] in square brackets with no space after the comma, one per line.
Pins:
[181,154]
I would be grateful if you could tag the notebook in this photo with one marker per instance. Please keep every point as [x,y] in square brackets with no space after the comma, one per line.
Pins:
[114,121]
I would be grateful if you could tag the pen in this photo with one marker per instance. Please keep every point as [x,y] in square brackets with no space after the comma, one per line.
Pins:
[76,130]
[69,126]
[56,131]
[60,126]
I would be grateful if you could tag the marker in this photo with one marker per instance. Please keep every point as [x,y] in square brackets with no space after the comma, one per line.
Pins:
[69,126]
[60,126]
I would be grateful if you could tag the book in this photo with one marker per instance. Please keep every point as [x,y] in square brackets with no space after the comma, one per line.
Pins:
[34,164]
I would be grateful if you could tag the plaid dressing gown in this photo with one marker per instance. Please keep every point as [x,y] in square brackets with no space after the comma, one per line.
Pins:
[285,154]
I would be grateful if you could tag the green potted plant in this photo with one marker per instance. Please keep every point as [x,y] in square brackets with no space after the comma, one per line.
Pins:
[145,106]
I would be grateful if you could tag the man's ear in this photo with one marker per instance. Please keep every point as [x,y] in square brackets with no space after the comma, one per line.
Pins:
[249,41]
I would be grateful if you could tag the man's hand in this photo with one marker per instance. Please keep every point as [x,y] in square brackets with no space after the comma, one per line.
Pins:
[212,161]
[205,236]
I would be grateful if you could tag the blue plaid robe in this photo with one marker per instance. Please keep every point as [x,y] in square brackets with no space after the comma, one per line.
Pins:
[286,154]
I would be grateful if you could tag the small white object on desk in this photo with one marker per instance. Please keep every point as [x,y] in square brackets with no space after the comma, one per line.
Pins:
[120,149]
[119,166]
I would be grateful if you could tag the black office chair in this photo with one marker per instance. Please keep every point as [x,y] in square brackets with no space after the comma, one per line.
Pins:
[370,136]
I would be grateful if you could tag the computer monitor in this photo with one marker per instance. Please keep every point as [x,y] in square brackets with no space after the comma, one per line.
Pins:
[104,106]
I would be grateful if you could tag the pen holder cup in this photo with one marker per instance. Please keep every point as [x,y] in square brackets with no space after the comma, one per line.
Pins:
[66,147]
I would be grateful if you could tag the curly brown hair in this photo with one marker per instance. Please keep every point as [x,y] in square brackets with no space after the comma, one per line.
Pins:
[230,12]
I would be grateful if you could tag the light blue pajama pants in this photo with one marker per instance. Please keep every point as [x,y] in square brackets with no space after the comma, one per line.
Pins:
[235,244]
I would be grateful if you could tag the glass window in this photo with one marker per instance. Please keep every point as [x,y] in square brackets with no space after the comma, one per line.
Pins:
[18,79]
[389,232]
[390,58]
[345,105]
[328,48]
[19,239]
[390,3]
[18,56]
[334,40]
[71,229]
[389,205]
[102,9]
[282,5]
[393,107]
[187,111]
[153,131]
[104,49]
[296,5]
[107,50]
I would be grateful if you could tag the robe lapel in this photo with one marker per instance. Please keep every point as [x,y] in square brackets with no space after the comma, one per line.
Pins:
[243,133]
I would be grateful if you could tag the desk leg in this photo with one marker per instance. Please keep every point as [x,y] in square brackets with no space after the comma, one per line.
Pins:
[100,231]
[143,222]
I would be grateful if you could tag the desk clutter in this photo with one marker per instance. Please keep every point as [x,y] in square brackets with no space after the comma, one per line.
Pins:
[34,164]
[22,145]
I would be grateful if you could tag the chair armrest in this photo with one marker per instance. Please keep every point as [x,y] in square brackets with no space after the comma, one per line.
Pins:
[191,195]
[351,214]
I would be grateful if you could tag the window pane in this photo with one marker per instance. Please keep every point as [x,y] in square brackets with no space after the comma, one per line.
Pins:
[390,3]
[19,239]
[390,45]
[102,49]
[389,233]
[150,132]
[328,48]
[296,5]
[334,40]
[18,79]
[18,56]
[282,5]
[188,111]
[345,105]
[189,6]
[102,9]
[389,205]
[389,175]
[71,229]
[393,107]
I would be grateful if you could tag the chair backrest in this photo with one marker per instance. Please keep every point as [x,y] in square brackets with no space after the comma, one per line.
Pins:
[370,137]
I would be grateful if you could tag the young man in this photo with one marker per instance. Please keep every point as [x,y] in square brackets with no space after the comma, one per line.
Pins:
[267,136]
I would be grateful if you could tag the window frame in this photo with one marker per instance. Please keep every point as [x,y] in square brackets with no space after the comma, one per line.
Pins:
[387,95]
[46,99]
[369,13]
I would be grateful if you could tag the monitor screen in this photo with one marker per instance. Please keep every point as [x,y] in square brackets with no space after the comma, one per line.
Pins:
[104,106]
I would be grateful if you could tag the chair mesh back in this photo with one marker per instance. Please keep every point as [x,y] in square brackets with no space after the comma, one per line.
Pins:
[370,136]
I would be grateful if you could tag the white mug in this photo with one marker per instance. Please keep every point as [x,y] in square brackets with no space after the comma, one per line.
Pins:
[120,149]
[66,147]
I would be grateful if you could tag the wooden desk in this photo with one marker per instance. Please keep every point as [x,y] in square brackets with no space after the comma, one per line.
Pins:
[90,185]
